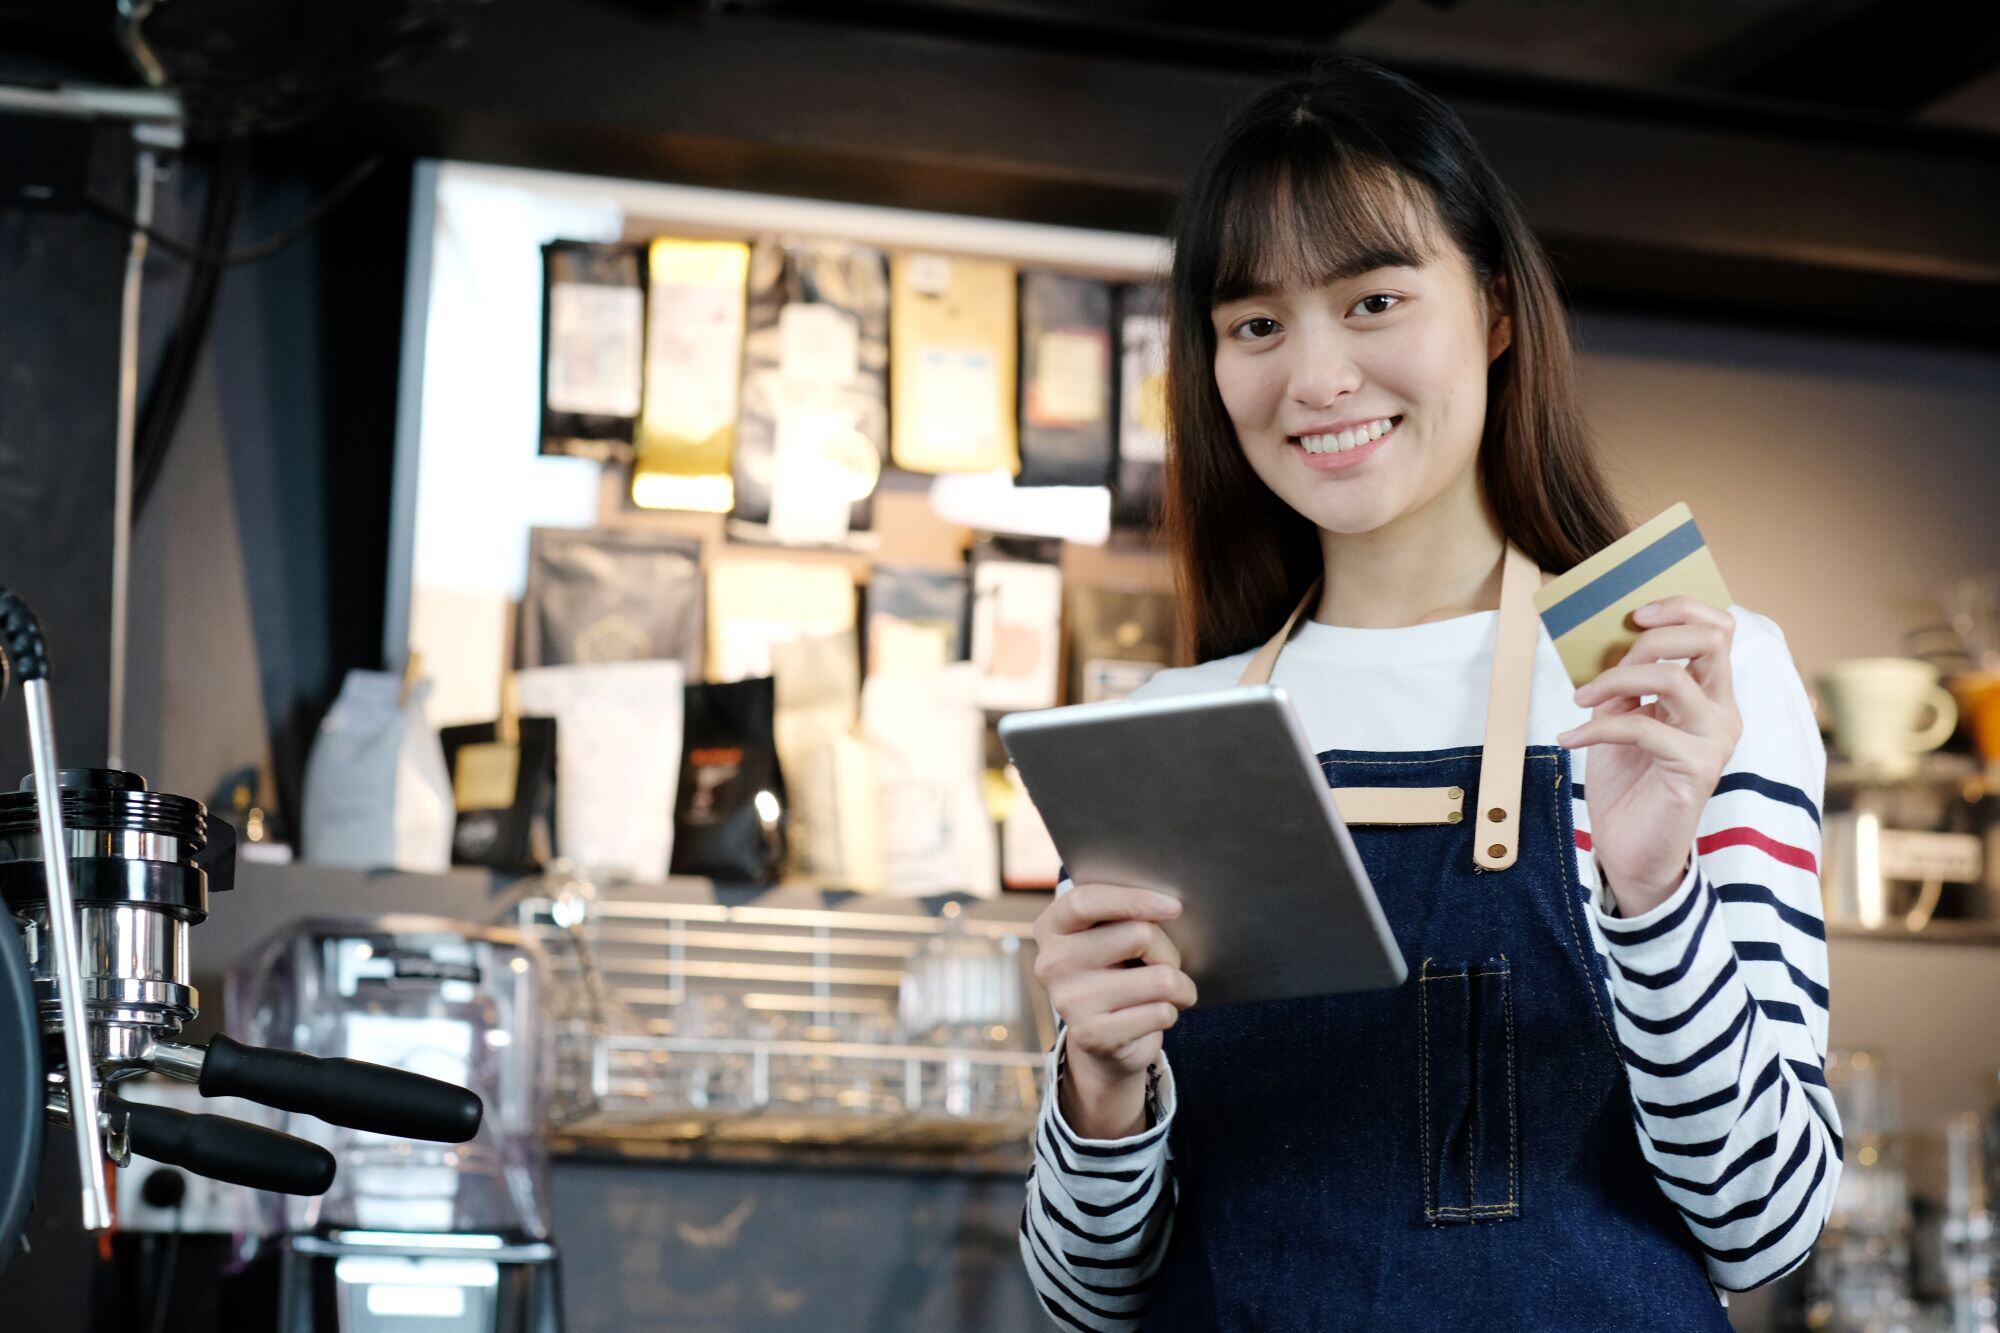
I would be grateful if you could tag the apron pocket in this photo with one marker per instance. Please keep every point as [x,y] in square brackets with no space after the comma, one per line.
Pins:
[1466,1109]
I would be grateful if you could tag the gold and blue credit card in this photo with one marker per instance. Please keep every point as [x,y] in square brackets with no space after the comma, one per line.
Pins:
[1587,609]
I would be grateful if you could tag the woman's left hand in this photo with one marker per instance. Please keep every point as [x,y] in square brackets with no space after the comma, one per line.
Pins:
[1655,766]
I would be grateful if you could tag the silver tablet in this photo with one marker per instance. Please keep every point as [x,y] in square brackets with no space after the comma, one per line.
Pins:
[1214,797]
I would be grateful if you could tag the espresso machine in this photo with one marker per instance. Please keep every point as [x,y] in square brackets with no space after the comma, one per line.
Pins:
[446,1238]
[1907,846]
[103,882]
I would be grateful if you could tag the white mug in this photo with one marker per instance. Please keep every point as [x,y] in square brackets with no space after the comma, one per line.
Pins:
[1876,707]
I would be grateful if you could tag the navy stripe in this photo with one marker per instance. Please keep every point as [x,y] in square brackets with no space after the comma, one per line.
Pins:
[1673,1069]
[1804,922]
[1771,1277]
[1065,1167]
[1109,1238]
[1755,1206]
[1806,1073]
[1783,1012]
[1720,1097]
[1713,1146]
[1742,781]
[1145,1252]
[1680,1110]
[1113,1209]
[1071,1296]
[1063,1314]
[1623,579]
[1152,1136]
[1065,1260]
[1137,1260]
[1628,936]
[1776,1233]
[1759,951]
[1661,1026]
[1662,980]
[1777,791]
[1131,1289]
[1755,1153]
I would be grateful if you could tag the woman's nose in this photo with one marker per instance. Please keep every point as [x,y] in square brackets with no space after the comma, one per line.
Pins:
[1323,373]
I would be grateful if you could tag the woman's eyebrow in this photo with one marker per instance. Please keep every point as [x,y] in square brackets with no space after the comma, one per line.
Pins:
[1360,266]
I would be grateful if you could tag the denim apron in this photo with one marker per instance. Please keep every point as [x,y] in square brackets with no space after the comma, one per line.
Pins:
[1458,1151]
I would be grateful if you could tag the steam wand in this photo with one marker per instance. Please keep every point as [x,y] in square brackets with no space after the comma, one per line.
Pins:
[21,644]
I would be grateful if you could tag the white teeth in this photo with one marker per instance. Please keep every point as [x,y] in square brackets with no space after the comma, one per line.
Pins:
[1347,439]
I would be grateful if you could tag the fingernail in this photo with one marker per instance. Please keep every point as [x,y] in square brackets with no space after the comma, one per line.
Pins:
[1164,903]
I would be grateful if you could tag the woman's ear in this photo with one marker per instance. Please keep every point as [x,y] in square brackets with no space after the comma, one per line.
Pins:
[1500,329]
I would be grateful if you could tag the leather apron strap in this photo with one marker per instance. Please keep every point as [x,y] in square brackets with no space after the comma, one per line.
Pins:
[1497,831]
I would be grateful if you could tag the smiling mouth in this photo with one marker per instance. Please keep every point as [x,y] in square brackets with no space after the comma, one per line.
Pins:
[1348,443]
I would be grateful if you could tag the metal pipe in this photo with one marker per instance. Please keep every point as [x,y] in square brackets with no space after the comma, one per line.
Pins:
[177,1060]
[82,1082]
[145,170]
[133,104]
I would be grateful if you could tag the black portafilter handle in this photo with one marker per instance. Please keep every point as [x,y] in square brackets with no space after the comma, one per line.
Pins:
[224,1149]
[361,1096]
[21,644]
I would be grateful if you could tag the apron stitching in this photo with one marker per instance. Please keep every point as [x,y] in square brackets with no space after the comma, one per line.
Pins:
[1567,861]
[1472,1157]
[1513,1127]
[1424,1082]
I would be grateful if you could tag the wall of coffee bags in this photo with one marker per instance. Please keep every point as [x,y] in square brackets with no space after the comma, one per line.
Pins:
[857,495]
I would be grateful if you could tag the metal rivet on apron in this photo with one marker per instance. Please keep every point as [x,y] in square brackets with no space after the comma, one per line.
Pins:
[1454,817]
[1496,849]
[1456,793]
[1496,814]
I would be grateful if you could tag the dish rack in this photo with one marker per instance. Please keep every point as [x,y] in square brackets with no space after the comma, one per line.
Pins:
[679,1019]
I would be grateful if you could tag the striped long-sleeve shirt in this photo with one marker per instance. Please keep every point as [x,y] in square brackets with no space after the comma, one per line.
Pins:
[1719,993]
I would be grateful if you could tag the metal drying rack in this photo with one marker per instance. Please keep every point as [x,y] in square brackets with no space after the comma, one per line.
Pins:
[642,974]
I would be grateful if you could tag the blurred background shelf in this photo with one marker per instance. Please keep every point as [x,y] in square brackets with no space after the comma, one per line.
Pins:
[1937,932]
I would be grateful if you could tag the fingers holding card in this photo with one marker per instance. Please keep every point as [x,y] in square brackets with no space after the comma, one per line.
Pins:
[1588,609]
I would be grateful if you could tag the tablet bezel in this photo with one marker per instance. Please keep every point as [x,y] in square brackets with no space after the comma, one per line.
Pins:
[1216,797]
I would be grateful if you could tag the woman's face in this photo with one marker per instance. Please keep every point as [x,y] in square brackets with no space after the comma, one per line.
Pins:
[1298,366]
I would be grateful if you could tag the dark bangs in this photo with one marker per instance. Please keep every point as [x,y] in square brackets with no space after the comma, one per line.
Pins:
[1299,210]
[1349,168]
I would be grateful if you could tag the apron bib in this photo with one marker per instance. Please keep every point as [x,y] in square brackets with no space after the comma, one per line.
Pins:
[1460,1148]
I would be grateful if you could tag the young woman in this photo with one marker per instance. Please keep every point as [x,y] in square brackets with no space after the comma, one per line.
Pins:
[1598,1101]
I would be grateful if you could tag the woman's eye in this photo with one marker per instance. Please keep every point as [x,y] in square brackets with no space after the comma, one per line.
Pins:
[1258,328]
[1378,296]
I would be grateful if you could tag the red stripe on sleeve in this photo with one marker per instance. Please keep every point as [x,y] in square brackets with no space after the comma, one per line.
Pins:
[1740,836]
[1743,836]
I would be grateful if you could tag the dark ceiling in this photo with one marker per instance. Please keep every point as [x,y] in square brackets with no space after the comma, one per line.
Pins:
[1935,62]
[1825,162]
[1922,62]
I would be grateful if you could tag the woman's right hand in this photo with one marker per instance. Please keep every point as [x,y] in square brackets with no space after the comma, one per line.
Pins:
[1116,981]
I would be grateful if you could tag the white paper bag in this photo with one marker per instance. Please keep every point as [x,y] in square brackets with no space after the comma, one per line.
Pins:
[618,761]
[929,738]
[378,794]
[1027,852]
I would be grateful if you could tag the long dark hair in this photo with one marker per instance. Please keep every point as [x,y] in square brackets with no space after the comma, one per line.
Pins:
[1305,184]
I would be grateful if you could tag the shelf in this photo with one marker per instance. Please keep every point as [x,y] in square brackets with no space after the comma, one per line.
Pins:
[1936,769]
[1937,932]
[686,1025]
